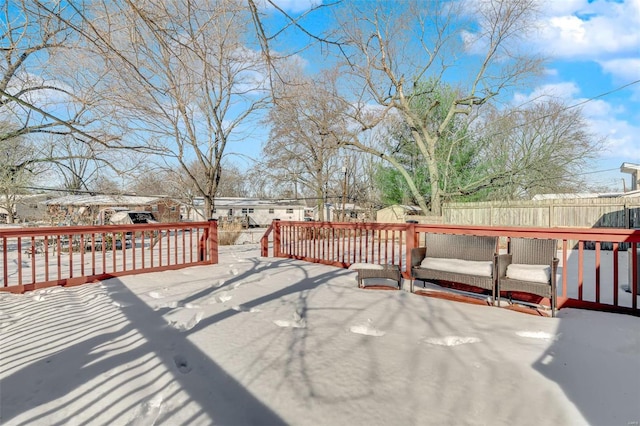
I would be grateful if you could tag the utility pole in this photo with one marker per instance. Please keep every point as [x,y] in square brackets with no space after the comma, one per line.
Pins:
[344,192]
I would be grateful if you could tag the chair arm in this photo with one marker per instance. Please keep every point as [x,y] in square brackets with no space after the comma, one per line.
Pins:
[502,261]
[554,269]
[417,255]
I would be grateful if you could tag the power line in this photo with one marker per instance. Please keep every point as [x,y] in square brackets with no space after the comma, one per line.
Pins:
[132,194]
[568,107]
[597,171]
[602,95]
[126,194]
[89,192]
[598,96]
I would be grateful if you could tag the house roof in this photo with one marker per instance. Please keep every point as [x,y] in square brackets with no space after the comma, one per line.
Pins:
[239,202]
[28,197]
[570,196]
[404,207]
[629,168]
[103,200]
[635,193]
[338,206]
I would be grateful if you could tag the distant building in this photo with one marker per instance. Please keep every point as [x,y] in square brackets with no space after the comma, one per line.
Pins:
[575,196]
[333,213]
[96,209]
[586,195]
[398,213]
[251,212]
[634,171]
[27,208]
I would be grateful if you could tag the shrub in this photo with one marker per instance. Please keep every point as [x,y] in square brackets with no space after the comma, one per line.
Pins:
[228,233]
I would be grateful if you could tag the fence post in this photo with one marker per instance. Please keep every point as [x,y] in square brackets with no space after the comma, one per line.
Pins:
[264,242]
[276,237]
[213,241]
[634,273]
[411,243]
[202,245]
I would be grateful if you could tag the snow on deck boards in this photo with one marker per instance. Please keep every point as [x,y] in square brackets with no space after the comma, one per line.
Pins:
[276,341]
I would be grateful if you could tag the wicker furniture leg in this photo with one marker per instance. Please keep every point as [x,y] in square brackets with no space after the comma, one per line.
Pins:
[390,272]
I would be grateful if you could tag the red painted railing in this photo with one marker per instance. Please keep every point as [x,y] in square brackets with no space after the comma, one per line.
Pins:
[34,258]
[594,262]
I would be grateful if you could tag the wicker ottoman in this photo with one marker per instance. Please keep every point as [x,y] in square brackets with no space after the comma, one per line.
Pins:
[389,272]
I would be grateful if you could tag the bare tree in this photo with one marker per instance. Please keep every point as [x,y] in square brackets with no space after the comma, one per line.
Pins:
[535,150]
[303,148]
[234,183]
[27,95]
[106,185]
[152,180]
[149,181]
[178,78]
[18,171]
[392,48]
[183,76]
[47,94]
[36,94]
[79,165]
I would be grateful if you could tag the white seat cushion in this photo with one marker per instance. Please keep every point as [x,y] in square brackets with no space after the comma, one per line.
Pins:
[533,273]
[365,266]
[482,268]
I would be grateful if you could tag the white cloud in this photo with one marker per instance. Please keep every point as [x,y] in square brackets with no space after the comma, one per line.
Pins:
[602,31]
[597,108]
[603,118]
[293,6]
[591,30]
[563,91]
[621,140]
[54,101]
[620,136]
[626,69]
[555,7]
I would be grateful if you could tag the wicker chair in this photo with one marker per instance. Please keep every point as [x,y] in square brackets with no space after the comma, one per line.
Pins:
[523,254]
[463,247]
[388,272]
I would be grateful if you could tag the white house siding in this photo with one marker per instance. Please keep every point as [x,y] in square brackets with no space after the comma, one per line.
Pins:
[260,216]
[89,209]
[260,212]
[397,214]
[28,208]
[333,212]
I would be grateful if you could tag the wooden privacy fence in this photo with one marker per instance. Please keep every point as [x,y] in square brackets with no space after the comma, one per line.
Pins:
[593,279]
[34,258]
[617,212]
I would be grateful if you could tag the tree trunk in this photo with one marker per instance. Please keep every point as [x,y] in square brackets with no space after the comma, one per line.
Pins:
[208,208]
[320,203]
[434,181]
[436,200]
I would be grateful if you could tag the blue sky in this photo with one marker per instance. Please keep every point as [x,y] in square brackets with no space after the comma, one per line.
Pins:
[594,52]
[594,48]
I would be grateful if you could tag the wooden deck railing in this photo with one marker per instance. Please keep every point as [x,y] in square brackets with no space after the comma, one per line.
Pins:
[34,258]
[596,266]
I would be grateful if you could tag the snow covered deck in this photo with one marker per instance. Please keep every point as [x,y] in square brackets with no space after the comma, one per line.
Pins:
[256,340]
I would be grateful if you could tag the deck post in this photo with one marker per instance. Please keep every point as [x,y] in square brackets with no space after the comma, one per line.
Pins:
[213,241]
[634,274]
[276,237]
[411,243]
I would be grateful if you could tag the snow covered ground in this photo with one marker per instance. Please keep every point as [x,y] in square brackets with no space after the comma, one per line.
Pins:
[274,341]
